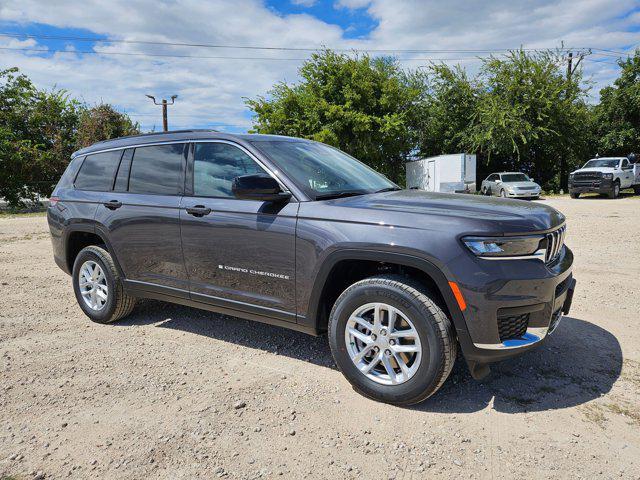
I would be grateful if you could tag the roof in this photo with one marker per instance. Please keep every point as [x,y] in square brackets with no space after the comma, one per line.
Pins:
[177,135]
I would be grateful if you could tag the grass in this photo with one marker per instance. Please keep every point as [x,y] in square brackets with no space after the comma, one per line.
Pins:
[25,214]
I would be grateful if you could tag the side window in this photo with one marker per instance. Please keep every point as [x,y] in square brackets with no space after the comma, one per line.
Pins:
[157,169]
[493,177]
[625,163]
[215,165]
[97,171]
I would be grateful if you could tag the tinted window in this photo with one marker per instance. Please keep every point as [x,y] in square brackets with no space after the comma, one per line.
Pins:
[98,170]
[625,163]
[157,169]
[215,165]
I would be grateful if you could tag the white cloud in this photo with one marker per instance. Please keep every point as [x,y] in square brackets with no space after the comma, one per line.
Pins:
[211,91]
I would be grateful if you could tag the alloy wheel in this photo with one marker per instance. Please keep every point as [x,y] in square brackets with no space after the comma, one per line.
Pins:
[383,343]
[93,285]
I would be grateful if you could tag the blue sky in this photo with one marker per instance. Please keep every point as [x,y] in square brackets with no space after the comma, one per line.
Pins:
[212,90]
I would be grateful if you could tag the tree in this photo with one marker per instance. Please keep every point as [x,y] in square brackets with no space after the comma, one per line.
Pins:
[617,117]
[529,116]
[103,122]
[366,107]
[445,113]
[37,136]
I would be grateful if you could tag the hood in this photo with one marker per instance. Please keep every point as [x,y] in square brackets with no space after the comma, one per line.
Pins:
[429,210]
[595,169]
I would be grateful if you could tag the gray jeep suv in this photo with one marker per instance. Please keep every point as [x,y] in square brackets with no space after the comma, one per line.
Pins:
[299,234]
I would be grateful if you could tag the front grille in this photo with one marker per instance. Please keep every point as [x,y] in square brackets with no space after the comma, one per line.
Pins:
[526,188]
[514,326]
[555,242]
[587,176]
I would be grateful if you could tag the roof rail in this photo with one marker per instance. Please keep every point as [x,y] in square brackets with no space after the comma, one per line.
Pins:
[194,130]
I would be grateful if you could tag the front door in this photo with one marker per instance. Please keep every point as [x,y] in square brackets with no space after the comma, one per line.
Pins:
[239,254]
[142,218]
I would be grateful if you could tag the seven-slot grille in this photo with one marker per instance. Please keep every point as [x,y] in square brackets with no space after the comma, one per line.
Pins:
[555,242]
[514,326]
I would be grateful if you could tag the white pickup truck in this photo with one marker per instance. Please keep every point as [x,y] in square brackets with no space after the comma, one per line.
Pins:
[605,176]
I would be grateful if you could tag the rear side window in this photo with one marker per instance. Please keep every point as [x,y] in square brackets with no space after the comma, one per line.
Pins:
[215,165]
[97,171]
[157,169]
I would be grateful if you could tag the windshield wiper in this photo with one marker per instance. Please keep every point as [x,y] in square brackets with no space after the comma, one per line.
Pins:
[345,193]
[388,189]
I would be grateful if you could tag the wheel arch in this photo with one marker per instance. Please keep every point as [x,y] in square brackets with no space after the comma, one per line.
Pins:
[325,290]
[80,236]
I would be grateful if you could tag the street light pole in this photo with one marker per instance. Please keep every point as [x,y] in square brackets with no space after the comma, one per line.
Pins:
[165,104]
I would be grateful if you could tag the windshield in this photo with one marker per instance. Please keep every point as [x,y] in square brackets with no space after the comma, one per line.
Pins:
[515,177]
[322,171]
[610,163]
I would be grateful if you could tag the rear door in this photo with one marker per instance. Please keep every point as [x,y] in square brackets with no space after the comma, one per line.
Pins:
[141,217]
[239,254]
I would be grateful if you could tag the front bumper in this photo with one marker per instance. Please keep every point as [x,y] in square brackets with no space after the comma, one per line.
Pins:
[524,289]
[601,186]
[523,194]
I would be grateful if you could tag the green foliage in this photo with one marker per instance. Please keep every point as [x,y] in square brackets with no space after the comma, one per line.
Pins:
[364,106]
[103,122]
[446,110]
[617,117]
[39,130]
[37,136]
[529,117]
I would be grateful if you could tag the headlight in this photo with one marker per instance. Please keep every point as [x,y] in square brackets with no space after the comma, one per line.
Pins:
[607,176]
[506,246]
[571,176]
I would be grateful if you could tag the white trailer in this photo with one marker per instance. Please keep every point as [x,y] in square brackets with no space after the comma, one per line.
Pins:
[454,173]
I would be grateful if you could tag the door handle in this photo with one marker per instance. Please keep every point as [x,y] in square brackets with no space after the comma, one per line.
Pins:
[198,211]
[112,204]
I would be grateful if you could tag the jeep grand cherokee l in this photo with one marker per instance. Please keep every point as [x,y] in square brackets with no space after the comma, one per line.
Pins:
[299,234]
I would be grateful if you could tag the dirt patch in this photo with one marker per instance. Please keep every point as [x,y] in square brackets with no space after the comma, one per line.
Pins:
[173,392]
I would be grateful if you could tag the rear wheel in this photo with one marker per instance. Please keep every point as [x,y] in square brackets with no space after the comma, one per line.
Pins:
[391,341]
[98,286]
[636,190]
[574,195]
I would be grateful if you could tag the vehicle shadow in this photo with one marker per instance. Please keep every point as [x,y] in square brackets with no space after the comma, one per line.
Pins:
[578,363]
[234,330]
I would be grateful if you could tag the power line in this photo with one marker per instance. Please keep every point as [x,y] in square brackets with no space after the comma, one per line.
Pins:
[258,47]
[171,55]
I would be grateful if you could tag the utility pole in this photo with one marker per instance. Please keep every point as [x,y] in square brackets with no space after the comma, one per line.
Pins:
[564,171]
[165,104]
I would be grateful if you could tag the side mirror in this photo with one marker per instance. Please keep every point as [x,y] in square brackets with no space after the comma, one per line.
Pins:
[498,181]
[261,187]
[532,180]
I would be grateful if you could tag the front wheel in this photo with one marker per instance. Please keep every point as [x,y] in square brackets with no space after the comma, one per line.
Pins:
[503,193]
[98,286]
[615,191]
[391,340]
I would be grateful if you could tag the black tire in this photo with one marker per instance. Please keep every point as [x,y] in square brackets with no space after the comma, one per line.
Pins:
[574,195]
[118,304]
[636,190]
[434,330]
[615,190]
[503,193]
[484,191]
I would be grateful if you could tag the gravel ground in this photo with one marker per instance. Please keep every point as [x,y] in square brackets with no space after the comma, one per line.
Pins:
[174,392]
